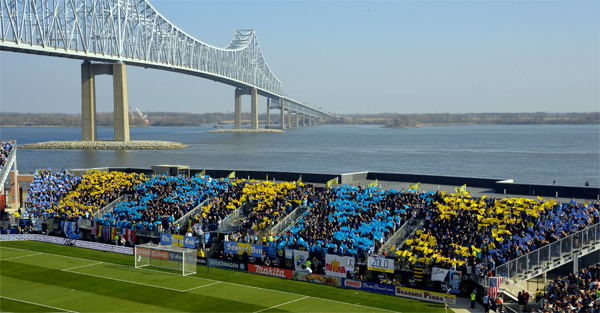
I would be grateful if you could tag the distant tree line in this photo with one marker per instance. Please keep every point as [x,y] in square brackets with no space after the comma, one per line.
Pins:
[388,119]
[413,120]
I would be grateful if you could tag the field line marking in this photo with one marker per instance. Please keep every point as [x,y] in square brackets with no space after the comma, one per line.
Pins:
[283,304]
[64,256]
[72,268]
[29,302]
[224,282]
[194,288]
[125,281]
[22,256]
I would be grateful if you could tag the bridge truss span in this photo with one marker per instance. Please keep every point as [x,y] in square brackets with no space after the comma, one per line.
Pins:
[132,32]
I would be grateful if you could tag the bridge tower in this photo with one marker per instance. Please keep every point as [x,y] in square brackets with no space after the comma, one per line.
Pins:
[88,100]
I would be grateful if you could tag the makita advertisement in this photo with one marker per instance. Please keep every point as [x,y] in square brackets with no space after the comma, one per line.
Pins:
[270,271]
[228,265]
[240,248]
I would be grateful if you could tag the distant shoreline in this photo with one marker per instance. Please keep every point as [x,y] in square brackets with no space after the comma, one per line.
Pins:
[392,120]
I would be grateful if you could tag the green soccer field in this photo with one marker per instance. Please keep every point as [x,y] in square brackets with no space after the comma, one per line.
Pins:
[40,277]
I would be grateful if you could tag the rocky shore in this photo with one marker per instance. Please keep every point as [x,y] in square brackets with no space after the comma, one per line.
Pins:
[247,130]
[106,145]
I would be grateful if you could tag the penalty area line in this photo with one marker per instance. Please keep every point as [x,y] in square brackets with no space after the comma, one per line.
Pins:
[44,305]
[72,268]
[283,304]
[194,288]
[125,281]
[18,257]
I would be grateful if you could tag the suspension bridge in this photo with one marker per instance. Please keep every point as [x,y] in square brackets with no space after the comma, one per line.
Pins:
[110,34]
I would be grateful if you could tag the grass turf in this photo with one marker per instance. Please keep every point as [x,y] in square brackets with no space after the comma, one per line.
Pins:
[41,277]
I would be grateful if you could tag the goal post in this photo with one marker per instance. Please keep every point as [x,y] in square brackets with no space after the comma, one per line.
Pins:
[165,256]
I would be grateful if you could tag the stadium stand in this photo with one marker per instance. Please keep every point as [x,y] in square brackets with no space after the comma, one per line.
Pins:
[157,203]
[487,232]
[47,189]
[577,292]
[350,220]
[95,190]
[5,147]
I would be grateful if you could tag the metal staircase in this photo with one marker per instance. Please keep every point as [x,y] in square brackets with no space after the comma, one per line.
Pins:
[12,158]
[290,220]
[551,256]
[401,234]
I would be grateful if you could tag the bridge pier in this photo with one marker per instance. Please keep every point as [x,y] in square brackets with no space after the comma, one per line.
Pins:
[297,119]
[304,120]
[239,92]
[254,109]
[268,113]
[88,103]
[88,100]
[237,124]
[120,102]
[290,118]
[282,116]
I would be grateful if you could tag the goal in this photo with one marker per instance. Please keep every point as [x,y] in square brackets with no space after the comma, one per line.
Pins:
[165,256]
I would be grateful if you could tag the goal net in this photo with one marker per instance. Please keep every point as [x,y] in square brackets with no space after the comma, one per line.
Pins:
[172,257]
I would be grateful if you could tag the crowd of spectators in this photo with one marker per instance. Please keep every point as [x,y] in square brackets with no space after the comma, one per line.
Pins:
[352,220]
[47,189]
[577,292]
[157,203]
[227,198]
[349,220]
[5,147]
[487,232]
[95,190]
[272,202]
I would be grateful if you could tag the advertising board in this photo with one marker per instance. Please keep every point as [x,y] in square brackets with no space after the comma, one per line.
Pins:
[337,266]
[240,248]
[424,295]
[225,264]
[318,278]
[379,288]
[380,264]
[270,271]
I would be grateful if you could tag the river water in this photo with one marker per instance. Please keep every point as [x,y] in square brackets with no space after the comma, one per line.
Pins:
[540,154]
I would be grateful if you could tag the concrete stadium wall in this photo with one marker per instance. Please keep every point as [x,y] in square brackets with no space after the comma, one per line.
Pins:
[549,190]
[498,185]
[435,179]
[349,178]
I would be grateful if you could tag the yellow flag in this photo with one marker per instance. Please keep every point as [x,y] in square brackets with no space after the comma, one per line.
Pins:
[231,175]
[202,174]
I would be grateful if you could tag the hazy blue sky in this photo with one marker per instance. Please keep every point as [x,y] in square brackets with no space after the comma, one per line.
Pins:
[359,57]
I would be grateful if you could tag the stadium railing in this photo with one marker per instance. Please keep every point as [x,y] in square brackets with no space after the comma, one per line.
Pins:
[111,206]
[400,235]
[289,220]
[10,160]
[184,220]
[553,255]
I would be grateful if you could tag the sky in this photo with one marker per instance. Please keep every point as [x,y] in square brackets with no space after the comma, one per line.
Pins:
[358,57]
